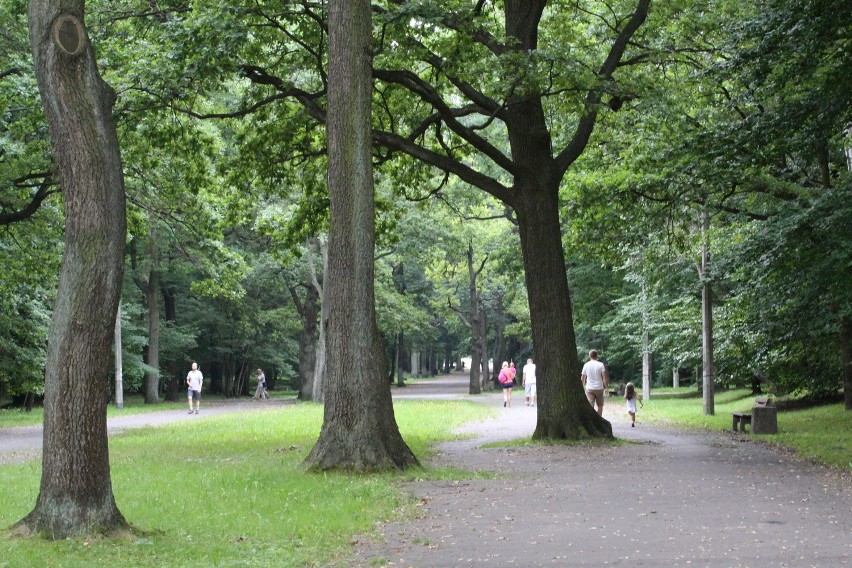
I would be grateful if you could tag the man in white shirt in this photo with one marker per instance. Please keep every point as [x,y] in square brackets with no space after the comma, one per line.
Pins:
[529,383]
[595,380]
[193,382]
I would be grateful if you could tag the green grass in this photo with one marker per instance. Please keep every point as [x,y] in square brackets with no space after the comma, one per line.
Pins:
[230,491]
[822,434]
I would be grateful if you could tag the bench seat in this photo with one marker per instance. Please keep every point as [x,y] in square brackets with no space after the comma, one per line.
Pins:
[740,419]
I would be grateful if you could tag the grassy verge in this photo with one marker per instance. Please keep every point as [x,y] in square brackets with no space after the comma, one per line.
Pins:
[229,491]
[821,433]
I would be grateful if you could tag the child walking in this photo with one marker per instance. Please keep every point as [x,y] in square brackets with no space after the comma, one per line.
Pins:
[631,397]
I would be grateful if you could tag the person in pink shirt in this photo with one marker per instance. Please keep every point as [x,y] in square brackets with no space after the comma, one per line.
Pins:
[507,381]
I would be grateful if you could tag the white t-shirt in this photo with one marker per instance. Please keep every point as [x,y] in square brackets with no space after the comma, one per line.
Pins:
[594,371]
[194,379]
[529,373]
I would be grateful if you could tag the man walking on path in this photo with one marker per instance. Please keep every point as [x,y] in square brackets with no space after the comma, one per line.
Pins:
[595,380]
[193,382]
[529,383]
[260,392]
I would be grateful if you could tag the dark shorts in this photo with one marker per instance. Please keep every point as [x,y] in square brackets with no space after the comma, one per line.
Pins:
[194,395]
[508,385]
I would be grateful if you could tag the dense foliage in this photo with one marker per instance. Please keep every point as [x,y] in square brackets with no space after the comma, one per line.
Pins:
[735,110]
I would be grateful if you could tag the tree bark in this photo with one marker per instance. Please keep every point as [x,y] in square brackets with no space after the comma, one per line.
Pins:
[647,365]
[707,319]
[175,388]
[359,430]
[845,339]
[478,355]
[563,411]
[75,495]
[152,293]
[318,381]
[119,372]
[400,341]
[486,379]
[308,311]
[500,351]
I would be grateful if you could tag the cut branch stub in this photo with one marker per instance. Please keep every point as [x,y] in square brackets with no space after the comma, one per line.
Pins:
[69,35]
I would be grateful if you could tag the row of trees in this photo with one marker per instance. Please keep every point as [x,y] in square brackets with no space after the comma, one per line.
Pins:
[653,159]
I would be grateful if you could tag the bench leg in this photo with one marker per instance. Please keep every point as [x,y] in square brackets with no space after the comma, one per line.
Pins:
[735,424]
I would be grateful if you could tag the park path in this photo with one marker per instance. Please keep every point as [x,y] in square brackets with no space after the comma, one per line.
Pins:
[666,498]
[24,443]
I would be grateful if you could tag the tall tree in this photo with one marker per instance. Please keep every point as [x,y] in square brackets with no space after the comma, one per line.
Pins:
[359,430]
[75,494]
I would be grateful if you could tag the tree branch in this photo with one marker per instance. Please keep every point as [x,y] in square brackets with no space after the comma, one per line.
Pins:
[428,94]
[444,163]
[587,123]
[42,193]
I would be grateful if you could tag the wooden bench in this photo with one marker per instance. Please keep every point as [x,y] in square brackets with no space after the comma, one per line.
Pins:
[740,421]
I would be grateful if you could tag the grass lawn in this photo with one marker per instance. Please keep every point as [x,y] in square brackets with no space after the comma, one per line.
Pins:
[823,433]
[229,491]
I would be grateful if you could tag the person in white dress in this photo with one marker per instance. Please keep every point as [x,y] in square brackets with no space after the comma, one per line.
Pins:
[630,397]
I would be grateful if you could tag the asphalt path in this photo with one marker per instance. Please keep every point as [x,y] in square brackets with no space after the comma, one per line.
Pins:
[665,497]
[25,442]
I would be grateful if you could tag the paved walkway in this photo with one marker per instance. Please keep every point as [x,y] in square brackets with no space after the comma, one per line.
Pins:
[24,443]
[666,498]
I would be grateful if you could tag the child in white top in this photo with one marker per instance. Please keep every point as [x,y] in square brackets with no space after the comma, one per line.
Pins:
[631,397]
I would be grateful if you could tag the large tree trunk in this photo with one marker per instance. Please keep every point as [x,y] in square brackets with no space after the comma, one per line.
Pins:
[563,411]
[75,495]
[359,430]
